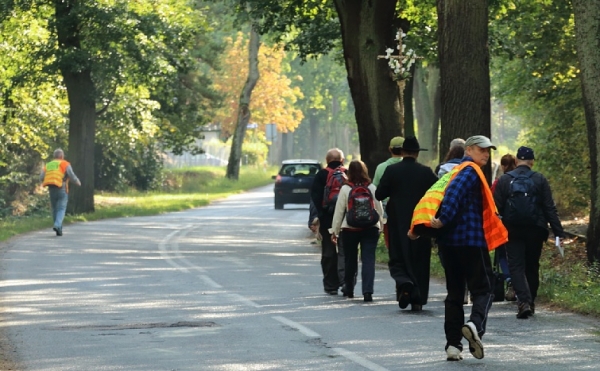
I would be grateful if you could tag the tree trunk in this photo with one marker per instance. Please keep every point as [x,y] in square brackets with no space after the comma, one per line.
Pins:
[424,111]
[435,96]
[409,115]
[367,30]
[82,107]
[314,134]
[464,70]
[587,30]
[243,117]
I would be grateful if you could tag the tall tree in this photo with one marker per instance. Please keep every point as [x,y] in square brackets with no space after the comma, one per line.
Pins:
[464,69]
[81,91]
[243,116]
[587,30]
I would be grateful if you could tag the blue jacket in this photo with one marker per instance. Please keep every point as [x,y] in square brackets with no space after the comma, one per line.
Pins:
[461,211]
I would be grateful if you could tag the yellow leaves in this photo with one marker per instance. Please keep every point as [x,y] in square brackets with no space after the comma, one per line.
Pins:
[273,97]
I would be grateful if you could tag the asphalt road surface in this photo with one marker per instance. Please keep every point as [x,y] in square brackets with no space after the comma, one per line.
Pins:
[237,286]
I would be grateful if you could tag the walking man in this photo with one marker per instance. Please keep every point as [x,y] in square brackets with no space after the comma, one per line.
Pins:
[332,256]
[394,148]
[56,175]
[468,228]
[405,183]
[524,200]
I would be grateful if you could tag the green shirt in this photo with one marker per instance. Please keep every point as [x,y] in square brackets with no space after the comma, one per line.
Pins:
[381,168]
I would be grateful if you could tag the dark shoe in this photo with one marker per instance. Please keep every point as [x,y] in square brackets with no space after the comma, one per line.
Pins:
[331,292]
[532,306]
[349,295]
[368,296]
[55,230]
[345,292]
[469,331]
[416,307]
[524,311]
[510,295]
[403,295]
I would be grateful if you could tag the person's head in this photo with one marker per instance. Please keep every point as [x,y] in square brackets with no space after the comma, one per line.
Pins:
[457,142]
[478,147]
[507,163]
[396,146]
[59,154]
[525,156]
[357,172]
[411,147]
[334,154]
[457,151]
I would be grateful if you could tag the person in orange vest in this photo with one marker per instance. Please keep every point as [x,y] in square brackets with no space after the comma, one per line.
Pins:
[56,175]
[467,227]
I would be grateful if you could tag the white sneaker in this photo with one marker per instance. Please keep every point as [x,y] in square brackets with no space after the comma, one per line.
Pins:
[469,331]
[453,354]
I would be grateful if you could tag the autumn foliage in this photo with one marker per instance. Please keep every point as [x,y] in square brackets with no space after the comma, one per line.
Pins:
[272,99]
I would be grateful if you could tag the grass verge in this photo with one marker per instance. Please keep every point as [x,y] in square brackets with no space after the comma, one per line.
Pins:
[184,189]
[567,283]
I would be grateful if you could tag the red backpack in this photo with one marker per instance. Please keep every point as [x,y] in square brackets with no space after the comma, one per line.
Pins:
[335,180]
[361,207]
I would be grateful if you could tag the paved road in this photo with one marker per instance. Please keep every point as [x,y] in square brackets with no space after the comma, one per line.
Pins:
[237,286]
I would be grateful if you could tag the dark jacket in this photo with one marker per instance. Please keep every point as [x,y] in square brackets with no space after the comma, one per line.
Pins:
[546,208]
[404,183]
[318,190]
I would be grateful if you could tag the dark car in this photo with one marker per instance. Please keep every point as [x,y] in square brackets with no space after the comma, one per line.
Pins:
[293,183]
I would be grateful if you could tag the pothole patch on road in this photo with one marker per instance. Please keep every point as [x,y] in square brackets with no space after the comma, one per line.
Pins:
[135,326]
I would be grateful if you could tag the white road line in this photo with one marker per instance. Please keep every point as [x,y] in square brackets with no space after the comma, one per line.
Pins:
[303,329]
[358,359]
[162,247]
[175,249]
[210,282]
[241,298]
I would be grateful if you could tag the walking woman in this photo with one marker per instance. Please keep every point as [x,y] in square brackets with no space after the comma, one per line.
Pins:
[358,220]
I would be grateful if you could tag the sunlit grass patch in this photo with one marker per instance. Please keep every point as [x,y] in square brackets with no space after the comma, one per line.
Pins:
[185,189]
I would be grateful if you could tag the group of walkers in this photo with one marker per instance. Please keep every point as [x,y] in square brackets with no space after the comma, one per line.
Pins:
[411,204]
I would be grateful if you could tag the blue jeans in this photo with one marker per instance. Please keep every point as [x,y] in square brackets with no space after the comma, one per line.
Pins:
[367,239]
[58,204]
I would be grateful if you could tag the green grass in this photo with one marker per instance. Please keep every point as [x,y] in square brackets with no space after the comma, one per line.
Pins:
[565,283]
[184,189]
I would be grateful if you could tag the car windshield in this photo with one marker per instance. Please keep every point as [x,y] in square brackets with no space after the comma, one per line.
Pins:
[299,169]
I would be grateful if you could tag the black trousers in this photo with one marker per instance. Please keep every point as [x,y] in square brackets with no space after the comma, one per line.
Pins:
[329,261]
[473,266]
[524,249]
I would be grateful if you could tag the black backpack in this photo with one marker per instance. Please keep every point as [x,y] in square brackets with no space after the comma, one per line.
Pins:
[521,205]
[361,207]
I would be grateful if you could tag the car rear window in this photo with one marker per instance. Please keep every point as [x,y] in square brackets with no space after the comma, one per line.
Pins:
[299,169]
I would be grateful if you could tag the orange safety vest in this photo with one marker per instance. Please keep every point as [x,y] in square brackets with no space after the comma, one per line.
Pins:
[55,173]
[494,231]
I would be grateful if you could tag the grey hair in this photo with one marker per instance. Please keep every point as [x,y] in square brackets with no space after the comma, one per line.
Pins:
[457,142]
[59,153]
[334,154]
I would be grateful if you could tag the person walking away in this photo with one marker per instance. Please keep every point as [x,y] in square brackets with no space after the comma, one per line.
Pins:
[468,228]
[450,155]
[357,219]
[453,158]
[507,163]
[324,192]
[56,175]
[525,202]
[394,148]
[405,183]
